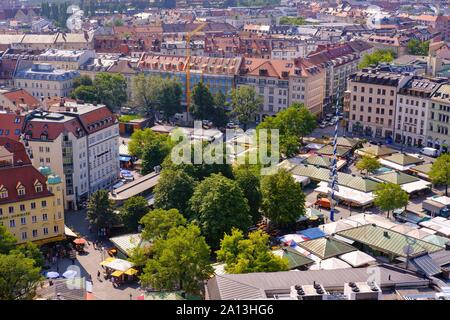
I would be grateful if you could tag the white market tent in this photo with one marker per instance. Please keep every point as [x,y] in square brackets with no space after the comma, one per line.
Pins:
[358,219]
[330,264]
[416,186]
[437,226]
[380,221]
[348,194]
[401,228]
[334,227]
[304,181]
[357,258]
[420,233]
[119,264]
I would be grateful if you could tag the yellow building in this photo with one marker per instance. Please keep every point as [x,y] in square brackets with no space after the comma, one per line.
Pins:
[31,205]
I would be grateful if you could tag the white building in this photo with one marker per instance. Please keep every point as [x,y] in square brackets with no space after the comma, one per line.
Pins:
[80,142]
[412,111]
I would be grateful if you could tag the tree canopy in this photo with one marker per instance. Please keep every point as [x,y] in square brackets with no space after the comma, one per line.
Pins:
[292,123]
[180,261]
[374,58]
[202,102]
[245,104]
[292,21]
[107,88]
[174,189]
[368,164]
[151,147]
[154,93]
[283,200]
[253,254]
[250,184]
[218,204]
[390,196]
[132,211]
[157,223]
[440,171]
[100,210]
[418,48]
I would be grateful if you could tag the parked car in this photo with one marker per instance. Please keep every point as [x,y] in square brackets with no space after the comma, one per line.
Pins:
[323,124]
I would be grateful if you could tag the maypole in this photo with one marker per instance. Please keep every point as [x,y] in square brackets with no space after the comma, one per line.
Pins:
[333,184]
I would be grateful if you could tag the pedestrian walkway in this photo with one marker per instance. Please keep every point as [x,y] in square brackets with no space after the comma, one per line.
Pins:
[89,263]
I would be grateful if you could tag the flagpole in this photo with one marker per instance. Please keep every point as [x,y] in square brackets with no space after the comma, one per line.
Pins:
[333,185]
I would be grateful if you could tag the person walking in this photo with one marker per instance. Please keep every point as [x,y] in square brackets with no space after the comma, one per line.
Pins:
[98,274]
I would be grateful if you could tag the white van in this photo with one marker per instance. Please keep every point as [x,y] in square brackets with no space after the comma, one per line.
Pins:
[431,152]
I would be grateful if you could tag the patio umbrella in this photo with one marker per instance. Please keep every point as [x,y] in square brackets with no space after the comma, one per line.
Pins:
[52,275]
[79,241]
[70,274]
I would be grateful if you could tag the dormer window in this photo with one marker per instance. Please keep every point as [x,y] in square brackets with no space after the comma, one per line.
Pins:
[20,189]
[3,192]
[38,186]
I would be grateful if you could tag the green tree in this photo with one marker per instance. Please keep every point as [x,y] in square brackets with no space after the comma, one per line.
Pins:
[157,223]
[174,189]
[139,140]
[100,210]
[7,240]
[154,153]
[154,93]
[132,211]
[250,184]
[245,104]
[85,93]
[218,203]
[418,48]
[440,171]
[390,196]
[242,255]
[293,123]
[293,21]
[219,115]
[283,200]
[368,163]
[199,171]
[181,261]
[82,80]
[19,277]
[111,89]
[31,251]
[374,58]
[202,102]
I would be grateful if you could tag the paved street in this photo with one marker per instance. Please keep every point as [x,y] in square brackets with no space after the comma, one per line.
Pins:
[89,263]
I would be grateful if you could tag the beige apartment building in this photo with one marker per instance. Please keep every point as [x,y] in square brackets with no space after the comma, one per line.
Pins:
[281,83]
[373,96]
[44,80]
[66,59]
[439,119]
[412,111]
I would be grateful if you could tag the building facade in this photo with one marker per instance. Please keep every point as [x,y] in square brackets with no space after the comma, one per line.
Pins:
[43,80]
[412,111]
[81,143]
[281,83]
[373,96]
[31,205]
[439,119]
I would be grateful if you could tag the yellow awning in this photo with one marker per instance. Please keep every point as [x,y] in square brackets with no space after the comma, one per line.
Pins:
[108,260]
[117,273]
[131,272]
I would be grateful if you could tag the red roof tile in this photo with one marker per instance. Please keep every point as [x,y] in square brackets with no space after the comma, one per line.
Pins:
[11,125]
[20,96]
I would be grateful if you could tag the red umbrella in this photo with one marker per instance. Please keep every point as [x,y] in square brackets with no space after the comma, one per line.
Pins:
[141,297]
[79,241]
